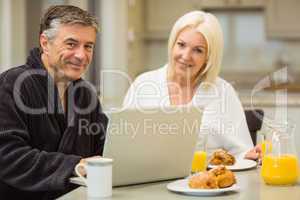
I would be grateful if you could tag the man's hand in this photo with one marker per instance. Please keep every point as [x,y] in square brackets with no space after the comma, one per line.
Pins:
[81,170]
[255,153]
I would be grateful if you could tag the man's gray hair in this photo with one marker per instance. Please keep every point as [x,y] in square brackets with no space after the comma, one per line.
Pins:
[53,29]
[65,14]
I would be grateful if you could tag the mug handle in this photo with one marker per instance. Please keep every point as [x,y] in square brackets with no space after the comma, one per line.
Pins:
[78,174]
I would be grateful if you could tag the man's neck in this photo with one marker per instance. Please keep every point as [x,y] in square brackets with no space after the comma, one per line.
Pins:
[54,73]
[60,82]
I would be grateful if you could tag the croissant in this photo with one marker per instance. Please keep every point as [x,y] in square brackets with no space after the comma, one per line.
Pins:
[225,178]
[222,157]
[219,177]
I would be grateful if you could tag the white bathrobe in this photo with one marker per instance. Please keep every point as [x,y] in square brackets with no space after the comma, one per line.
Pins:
[223,118]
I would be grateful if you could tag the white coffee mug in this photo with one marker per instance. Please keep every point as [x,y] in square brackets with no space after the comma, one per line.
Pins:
[99,176]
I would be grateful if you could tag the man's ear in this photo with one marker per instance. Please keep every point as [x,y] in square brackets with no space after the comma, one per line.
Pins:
[44,43]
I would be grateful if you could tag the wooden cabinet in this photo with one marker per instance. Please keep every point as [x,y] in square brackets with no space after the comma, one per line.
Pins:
[161,15]
[212,4]
[252,3]
[230,4]
[282,19]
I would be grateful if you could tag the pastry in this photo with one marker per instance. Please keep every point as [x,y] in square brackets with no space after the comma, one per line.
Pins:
[219,177]
[203,180]
[222,157]
[225,178]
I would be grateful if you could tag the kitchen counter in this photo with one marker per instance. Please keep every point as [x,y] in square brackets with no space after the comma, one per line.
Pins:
[268,98]
[250,183]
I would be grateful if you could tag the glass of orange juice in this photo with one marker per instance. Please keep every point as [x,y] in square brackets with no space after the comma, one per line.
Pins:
[280,170]
[265,140]
[266,146]
[199,163]
[280,163]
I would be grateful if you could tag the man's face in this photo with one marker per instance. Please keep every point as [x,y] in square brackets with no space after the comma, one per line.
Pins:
[70,52]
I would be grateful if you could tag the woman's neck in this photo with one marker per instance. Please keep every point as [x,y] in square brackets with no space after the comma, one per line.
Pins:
[181,91]
[182,81]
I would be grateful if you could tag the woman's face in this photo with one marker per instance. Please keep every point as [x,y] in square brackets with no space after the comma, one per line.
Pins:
[189,54]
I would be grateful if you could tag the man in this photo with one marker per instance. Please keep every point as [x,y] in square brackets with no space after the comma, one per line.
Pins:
[51,119]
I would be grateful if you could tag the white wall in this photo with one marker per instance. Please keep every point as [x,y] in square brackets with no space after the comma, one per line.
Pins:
[6,19]
[83,4]
[47,3]
[13,33]
[113,44]
[1,31]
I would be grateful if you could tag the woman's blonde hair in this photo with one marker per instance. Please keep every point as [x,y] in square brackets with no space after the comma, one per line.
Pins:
[208,25]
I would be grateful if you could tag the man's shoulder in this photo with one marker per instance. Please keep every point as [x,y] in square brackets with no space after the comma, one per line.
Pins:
[12,74]
[84,85]
[85,88]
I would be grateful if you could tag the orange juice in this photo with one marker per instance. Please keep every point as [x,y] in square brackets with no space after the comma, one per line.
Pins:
[298,173]
[199,161]
[280,170]
[266,146]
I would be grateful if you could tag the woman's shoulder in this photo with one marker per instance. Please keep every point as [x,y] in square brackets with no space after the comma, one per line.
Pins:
[222,83]
[153,75]
[220,86]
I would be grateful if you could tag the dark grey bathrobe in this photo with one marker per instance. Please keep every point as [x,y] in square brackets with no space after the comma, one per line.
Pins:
[40,144]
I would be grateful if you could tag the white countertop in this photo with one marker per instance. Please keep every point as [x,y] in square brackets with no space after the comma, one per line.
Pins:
[267,98]
[250,183]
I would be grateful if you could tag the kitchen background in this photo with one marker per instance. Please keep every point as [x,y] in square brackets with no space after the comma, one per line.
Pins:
[261,56]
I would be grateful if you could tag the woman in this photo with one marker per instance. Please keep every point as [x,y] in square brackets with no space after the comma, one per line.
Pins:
[190,77]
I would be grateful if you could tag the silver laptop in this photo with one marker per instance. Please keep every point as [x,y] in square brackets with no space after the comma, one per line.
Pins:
[152,144]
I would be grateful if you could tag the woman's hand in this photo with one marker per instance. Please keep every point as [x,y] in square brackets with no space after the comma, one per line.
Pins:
[255,153]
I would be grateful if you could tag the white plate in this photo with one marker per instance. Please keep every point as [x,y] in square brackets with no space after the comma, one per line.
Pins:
[240,164]
[77,180]
[181,186]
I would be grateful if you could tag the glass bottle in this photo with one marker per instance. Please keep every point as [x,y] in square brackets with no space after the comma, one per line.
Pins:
[199,163]
[280,163]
